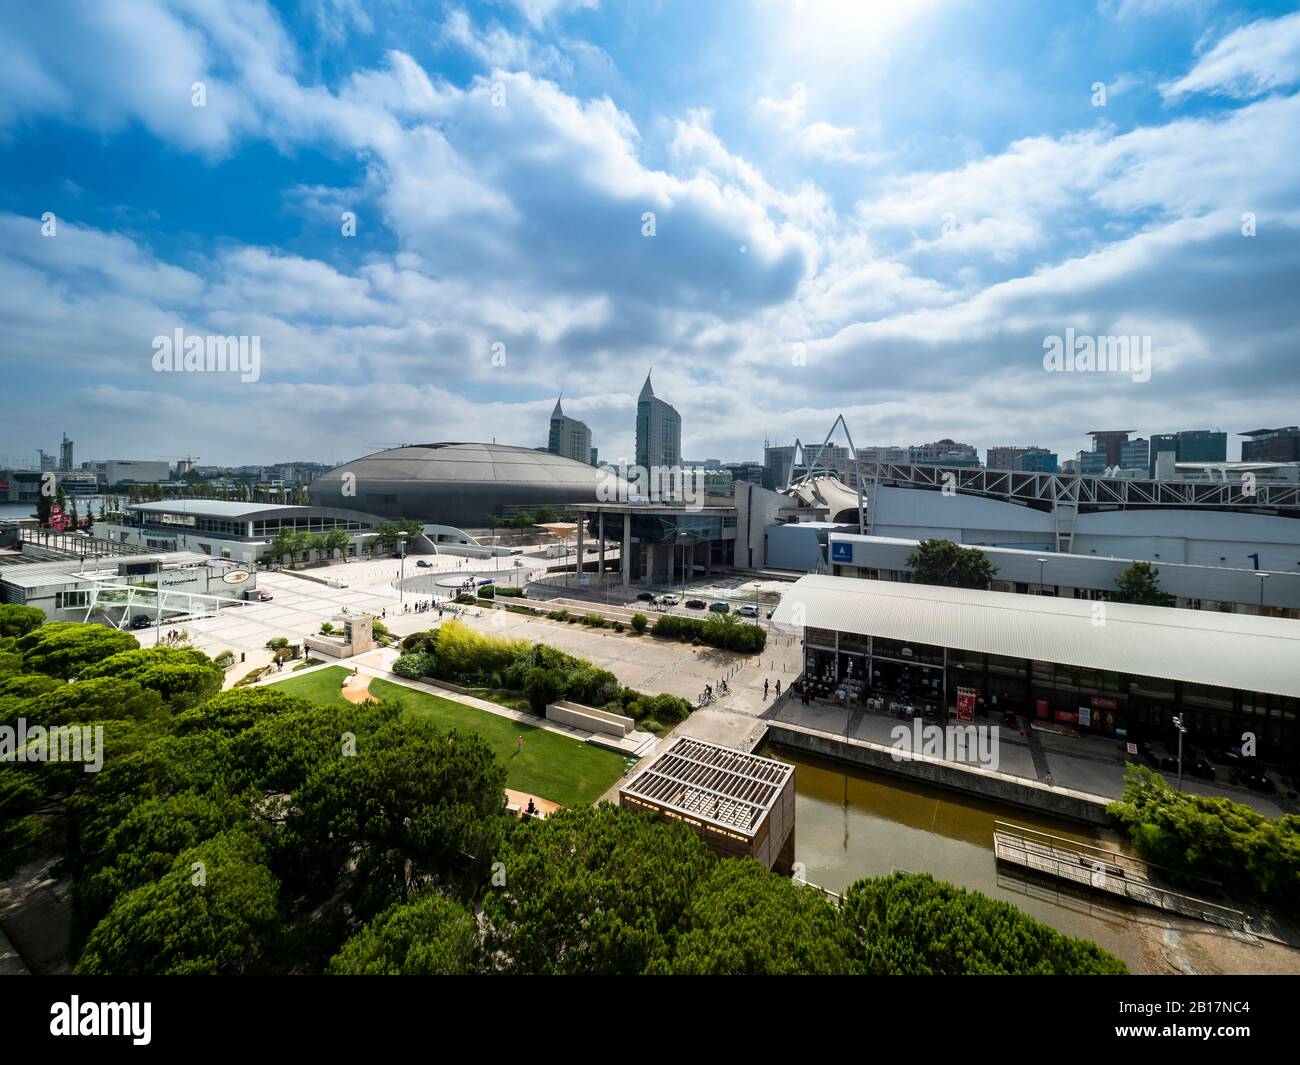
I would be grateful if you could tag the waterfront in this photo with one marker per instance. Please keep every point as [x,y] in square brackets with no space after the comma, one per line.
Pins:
[852,823]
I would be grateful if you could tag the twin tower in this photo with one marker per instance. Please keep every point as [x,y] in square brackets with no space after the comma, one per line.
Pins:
[658,433]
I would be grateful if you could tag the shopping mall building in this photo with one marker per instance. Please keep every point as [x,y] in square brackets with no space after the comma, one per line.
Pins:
[1096,667]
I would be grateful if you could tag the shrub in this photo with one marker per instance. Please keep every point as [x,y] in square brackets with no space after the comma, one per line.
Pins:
[225,660]
[639,622]
[541,686]
[558,615]
[1199,836]
[513,592]
[652,726]
[618,626]
[415,665]
[594,620]
[487,591]
[465,599]
[276,642]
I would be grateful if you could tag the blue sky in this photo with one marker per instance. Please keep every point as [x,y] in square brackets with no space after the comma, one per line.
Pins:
[875,208]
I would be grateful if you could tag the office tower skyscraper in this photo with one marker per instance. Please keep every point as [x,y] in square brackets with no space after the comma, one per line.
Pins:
[569,437]
[658,430]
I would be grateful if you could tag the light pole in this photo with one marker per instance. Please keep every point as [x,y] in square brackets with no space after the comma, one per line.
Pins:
[1262,578]
[1178,724]
[1041,562]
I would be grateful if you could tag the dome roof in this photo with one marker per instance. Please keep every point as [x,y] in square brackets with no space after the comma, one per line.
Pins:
[469,462]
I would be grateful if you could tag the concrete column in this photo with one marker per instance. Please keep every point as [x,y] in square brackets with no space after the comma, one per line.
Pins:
[626,552]
[582,548]
[600,539]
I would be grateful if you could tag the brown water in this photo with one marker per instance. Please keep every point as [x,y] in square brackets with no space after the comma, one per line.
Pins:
[852,823]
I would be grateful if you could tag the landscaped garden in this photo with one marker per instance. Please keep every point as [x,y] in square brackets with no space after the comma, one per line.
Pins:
[550,766]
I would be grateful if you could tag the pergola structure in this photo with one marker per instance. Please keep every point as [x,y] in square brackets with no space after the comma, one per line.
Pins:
[740,804]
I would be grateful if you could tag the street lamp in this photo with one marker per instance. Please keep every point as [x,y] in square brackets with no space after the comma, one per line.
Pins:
[1041,562]
[1262,578]
[1178,724]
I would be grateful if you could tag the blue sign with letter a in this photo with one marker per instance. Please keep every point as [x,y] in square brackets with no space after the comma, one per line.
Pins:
[841,551]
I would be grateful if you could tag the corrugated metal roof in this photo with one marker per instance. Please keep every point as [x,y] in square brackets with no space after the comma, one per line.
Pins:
[1202,647]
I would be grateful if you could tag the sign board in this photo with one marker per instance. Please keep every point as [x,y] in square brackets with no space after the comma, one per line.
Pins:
[236,576]
[1085,716]
[1132,748]
[966,703]
[841,551]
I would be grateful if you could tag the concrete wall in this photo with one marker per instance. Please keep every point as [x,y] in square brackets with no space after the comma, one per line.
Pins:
[999,787]
[589,719]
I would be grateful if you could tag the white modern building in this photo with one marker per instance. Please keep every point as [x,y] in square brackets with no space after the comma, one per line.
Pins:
[241,532]
[658,431]
[1197,587]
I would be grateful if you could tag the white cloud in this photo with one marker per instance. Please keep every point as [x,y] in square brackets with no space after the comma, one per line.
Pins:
[1250,61]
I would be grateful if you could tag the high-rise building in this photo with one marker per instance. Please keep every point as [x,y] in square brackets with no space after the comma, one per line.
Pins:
[65,453]
[1135,454]
[885,453]
[569,437]
[1012,457]
[1190,445]
[658,430]
[1272,445]
[944,452]
[1110,443]
[1037,460]
[778,461]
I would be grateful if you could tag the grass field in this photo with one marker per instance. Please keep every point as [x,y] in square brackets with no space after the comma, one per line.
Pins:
[550,766]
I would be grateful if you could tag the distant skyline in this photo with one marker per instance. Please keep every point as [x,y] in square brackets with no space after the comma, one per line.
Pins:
[790,208]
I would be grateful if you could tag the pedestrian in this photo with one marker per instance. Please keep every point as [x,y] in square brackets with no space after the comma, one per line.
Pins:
[778,689]
[765,685]
[519,745]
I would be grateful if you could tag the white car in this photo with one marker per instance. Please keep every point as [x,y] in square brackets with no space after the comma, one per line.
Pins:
[670,600]
[747,611]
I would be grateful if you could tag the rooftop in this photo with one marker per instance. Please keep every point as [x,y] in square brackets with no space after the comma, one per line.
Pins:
[704,782]
[1242,651]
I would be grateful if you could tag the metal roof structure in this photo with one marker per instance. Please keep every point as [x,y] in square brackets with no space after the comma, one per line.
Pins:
[1046,490]
[225,508]
[728,789]
[1242,651]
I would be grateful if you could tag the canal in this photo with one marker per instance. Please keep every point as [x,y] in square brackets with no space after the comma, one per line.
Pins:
[852,823]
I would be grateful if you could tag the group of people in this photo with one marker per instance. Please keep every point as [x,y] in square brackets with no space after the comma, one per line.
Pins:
[422,606]
[174,636]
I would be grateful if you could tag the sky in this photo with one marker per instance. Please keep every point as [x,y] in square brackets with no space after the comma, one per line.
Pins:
[436,217]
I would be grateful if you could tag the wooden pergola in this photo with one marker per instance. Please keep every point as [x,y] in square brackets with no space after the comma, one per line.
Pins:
[740,804]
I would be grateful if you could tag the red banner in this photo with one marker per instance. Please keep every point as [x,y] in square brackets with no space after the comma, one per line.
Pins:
[966,704]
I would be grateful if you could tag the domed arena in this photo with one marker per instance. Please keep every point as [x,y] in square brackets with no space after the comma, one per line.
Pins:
[456,484]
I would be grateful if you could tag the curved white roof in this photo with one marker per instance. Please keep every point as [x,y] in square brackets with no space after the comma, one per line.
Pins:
[1242,651]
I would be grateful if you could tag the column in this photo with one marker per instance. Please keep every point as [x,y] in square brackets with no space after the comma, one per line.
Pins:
[626,551]
[582,547]
[600,539]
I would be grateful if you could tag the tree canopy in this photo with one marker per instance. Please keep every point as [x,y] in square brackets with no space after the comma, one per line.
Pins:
[948,564]
[1140,583]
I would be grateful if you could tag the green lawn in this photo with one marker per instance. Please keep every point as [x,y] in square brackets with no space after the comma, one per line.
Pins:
[551,766]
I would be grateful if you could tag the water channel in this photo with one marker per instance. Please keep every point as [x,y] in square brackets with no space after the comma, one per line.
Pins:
[852,823]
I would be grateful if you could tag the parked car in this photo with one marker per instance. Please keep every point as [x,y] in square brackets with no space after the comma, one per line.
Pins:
[423,563]
[263,596]
[747,611]
[646,597]
[141,621]
[671,600]
[720,608]
[695,604]
[1253,776]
